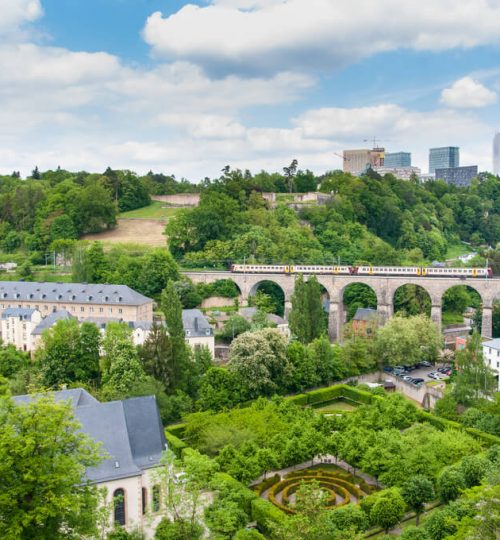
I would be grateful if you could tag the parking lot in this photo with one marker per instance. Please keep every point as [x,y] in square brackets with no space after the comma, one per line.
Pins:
[421,373]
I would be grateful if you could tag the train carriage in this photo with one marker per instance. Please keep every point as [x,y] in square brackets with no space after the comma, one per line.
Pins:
[420,271]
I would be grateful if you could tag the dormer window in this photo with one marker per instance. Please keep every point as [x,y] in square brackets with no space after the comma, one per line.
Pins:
[17,295]
[188,332]
[90,298]
[73,297]
[30,296]
[106,298]
[120,299]
[207,331]
[44,295]
[59,296]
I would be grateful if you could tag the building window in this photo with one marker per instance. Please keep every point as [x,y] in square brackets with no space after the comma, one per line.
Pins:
[144,492]
[82,309]
[101,310]
[119,504]
[156,498]
[120,310]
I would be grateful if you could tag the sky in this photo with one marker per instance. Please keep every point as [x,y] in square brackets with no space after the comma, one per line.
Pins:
[187,88]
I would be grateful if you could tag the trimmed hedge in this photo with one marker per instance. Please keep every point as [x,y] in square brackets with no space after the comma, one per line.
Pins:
[265,514]
[266,484]
[177,429]
[324,394]
[247,494]
[299,399]
[175,444]
[486,439]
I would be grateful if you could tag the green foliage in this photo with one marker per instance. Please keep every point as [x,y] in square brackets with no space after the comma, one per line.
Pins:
[306,319]
[267,515]
[388,509]
[248,534]
[178,529]
[43,456]
[69,353]
[417,491]
[12,360]
[450,484]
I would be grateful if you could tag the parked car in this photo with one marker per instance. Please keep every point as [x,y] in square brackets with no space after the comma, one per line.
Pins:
[434,375]
[388,369]
[425,363]
[445,370]
[417,381]
[407,378]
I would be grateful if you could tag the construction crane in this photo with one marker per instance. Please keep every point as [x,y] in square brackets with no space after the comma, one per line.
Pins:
[375,141]
[341,156]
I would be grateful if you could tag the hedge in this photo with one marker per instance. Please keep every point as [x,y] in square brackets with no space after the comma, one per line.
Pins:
[265,514]
[358,396]
[175,444]
[299,399]
[266,484]
[177,430]
[247,494]
[324,394]
[487,439]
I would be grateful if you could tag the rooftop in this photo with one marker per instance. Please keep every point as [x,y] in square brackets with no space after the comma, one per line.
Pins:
[78,293]
[365,314]
[50,320]
[195,323]
[130,431]
[22,313]
[493,344]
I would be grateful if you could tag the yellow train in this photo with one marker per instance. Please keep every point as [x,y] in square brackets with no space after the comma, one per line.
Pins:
[425,271]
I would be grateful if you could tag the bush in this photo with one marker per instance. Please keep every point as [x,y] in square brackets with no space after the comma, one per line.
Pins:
[248,534]
[450,484]
[299,399]
[175,444]
[178,530]
[265,514]
[222,480]
[266,484]
[177,430]
[324,394]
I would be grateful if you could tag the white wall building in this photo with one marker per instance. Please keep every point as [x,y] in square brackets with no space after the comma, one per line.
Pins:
[18,325]
[491,355]
[197,330]
[132,439]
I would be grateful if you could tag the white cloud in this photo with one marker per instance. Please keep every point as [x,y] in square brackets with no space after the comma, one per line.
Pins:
[277,35]
[467,93]
[15,13]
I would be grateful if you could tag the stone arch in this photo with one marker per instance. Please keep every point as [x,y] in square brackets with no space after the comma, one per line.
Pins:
[412,299]
[275,290]
[367,294]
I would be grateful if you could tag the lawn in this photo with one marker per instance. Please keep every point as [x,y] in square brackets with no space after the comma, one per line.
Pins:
[455,250]
[451,318]
[335,406]
[156,210]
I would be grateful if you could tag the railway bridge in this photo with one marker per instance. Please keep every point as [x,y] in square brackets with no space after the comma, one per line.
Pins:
[384,287]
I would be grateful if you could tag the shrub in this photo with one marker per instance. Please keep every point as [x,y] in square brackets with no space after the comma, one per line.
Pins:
[222,480]
[265,513]
[175,444]
[248,534]
[178,530]
[266,484]
[299,399]
[324,394]
[177,430]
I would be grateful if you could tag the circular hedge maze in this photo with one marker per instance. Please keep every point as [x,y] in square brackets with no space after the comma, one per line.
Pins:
[340,487]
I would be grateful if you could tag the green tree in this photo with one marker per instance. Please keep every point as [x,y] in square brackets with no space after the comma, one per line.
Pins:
[388,509]
[11,360]
[157,356]
[473,469]
[157,269]
[172,310]
[43,457]
[307,318]
[70,353]
[450,484]
[417,491]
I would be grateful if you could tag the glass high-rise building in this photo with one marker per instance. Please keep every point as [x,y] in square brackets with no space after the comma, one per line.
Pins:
[397,159]
[443,158]
[496,154]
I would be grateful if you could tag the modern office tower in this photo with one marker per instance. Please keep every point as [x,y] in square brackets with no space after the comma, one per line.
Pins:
[397,159]
[443,158]
[458,176]
[496,154]
[358,161]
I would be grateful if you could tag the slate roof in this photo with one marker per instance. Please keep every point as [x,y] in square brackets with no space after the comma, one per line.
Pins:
[50,320]
[22,313]
[249,312]
[195,323]
[492,344]
[130,431]
[102,322]
[365,314]
[78,293]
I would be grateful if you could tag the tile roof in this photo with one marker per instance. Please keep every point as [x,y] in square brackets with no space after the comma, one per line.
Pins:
[492,344]
[78,293]
[195,323]
[365,314]
[50,320]
[22,313]
[130,431]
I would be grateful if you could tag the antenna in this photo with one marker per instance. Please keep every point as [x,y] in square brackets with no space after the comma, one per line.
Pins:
[375,141]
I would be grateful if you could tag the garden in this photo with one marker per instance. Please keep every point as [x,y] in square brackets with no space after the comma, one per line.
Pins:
[397,462]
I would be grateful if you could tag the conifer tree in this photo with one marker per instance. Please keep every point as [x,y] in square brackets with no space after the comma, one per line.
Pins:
[307,321]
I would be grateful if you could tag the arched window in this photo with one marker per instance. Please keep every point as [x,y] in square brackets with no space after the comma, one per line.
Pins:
[144,500]
[156,498]
[119,504]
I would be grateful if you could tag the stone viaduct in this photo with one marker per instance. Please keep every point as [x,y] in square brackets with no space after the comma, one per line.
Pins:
[384,288]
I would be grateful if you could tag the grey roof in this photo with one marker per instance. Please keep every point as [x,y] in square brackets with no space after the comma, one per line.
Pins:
[195,323]
[51,319]
[249,312]
[102,322]
[365,314]
[492,344]
[22,313]
[130,432]
[79,293]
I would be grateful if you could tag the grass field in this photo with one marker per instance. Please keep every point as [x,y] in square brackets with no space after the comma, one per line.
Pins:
[145,232]
[455,250]
[452,318]
[156,210]
[338,405]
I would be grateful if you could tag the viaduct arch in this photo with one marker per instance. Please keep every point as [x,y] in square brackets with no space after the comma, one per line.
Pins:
[384,287]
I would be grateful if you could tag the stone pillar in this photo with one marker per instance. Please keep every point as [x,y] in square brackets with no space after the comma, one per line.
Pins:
[384,312]
[288,308]
[436,314]
[487,324]
[335,321]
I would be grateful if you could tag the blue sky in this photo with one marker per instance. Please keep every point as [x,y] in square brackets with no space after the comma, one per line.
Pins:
[188,88]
